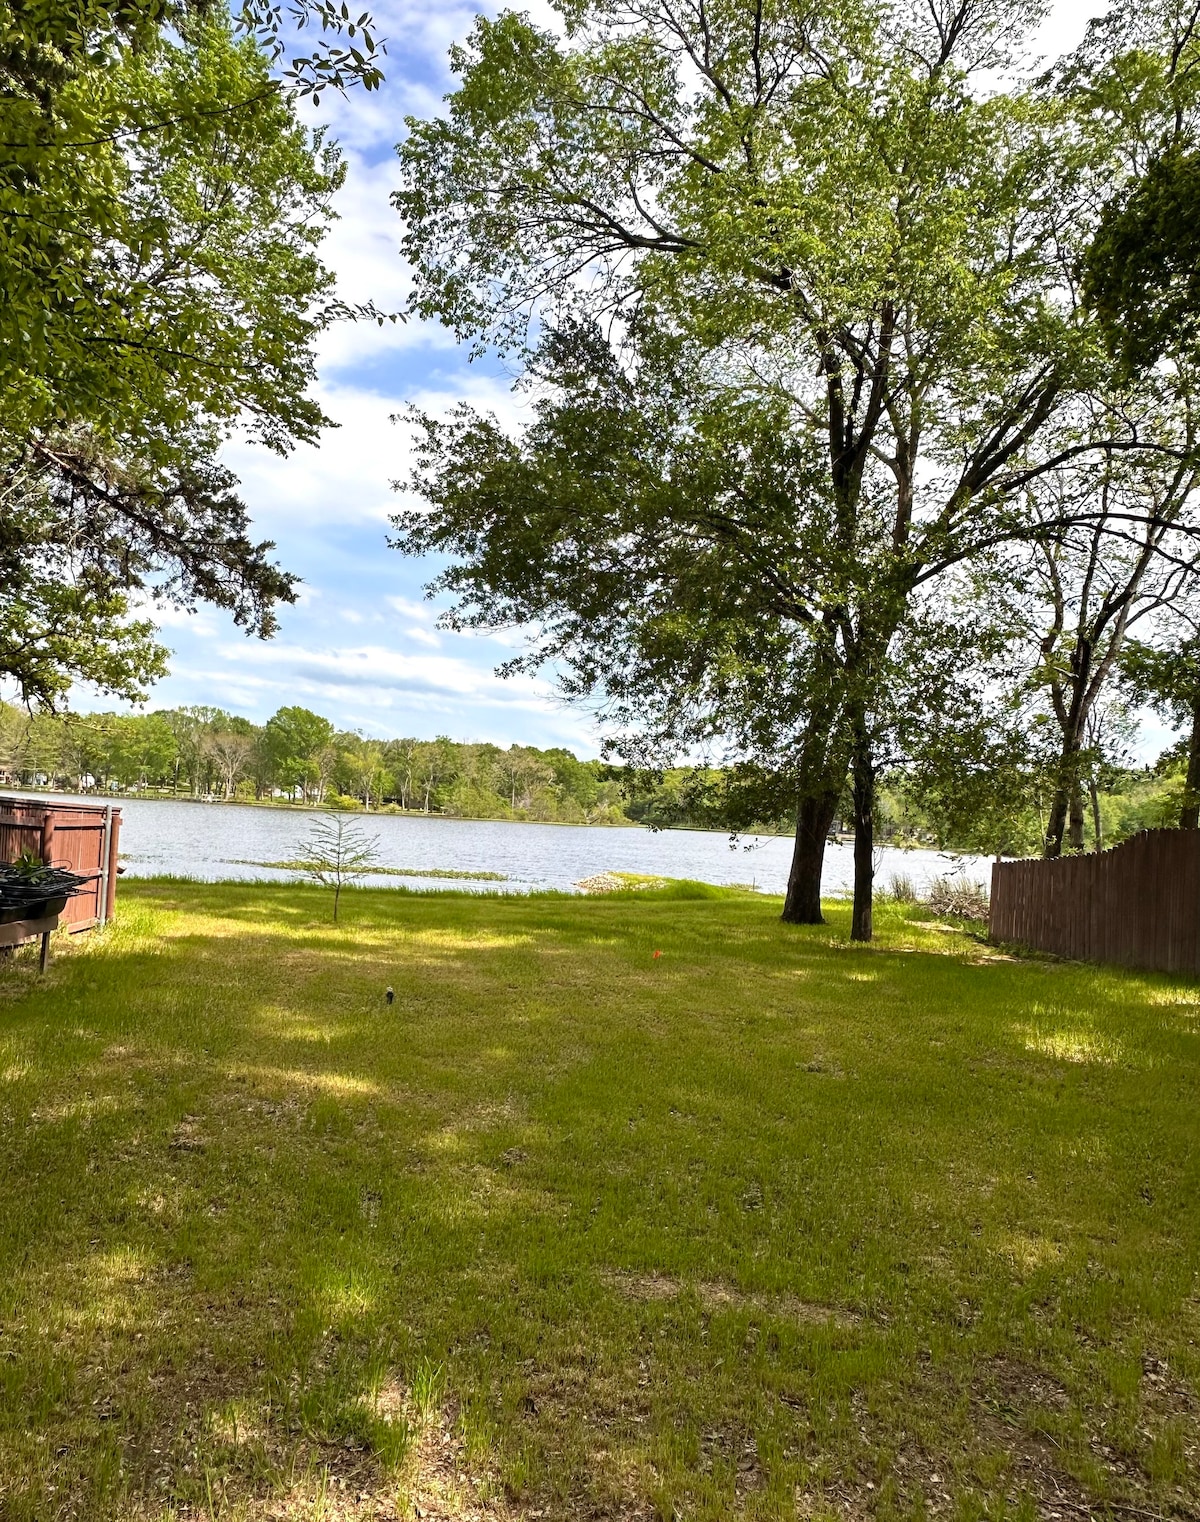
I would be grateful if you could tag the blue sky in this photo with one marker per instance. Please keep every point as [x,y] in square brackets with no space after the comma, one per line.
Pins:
[361,646]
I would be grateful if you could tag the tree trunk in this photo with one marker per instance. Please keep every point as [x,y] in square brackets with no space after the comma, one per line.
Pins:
[1075,825]
[802,905]
[1066,807]
[861,921]
[1097,828]
[1056,827]
[1189,815]
[1065,802]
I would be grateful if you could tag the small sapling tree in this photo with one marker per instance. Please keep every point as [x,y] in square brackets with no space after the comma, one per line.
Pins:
[336,853]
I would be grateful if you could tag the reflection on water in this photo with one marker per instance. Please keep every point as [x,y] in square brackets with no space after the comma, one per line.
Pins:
[218,840]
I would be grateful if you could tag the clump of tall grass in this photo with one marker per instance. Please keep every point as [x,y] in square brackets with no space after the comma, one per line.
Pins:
[901,889]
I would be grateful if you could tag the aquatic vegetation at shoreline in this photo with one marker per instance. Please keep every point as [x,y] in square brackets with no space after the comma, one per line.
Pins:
[434,872]
[661,887]
[619,882]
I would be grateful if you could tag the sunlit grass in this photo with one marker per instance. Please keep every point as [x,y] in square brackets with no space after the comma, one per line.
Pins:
[765,1225]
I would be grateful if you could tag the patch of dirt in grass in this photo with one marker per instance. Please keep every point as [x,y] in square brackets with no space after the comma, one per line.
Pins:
[732,1450]
[1164,1393]
[443,1487]
[1170,1426]
[924,1483]
[188,1135]
[643,1286]
[715,1295]
[1008,1399]
[330,1496]
[343,1482]
[1011,1386]
[288,1110]
[719,1296]
[1018,1414]
[1166,1448]
[822,1065]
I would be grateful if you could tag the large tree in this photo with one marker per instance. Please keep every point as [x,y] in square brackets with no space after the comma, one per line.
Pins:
[294,739]
[1113,542]
[161,209]
[823,200]
[653,528]
[820,198]
[663,534]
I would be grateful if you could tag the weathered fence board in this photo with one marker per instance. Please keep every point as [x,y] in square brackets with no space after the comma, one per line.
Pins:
[1137,905]
[83,837]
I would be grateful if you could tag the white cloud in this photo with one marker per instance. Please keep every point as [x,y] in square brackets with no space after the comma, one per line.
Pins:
[411,609]
[347,477]
[380,689]
[418,38]
[343,479]
[1064,26]
[363,249]
[486,393]
[432,680]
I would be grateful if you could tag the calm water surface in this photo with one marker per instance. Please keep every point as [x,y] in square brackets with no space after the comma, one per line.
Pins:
[221,840]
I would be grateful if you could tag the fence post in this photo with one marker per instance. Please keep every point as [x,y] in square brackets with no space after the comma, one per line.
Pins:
[114,838]
[47,837]
[105,868]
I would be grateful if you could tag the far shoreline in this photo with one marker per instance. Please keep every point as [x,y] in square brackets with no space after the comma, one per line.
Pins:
[392,812]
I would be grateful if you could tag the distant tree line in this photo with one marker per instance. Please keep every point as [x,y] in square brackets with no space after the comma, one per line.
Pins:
[299,757]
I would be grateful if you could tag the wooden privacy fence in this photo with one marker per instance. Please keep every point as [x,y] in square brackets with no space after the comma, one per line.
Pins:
[1137,905]
[83,837]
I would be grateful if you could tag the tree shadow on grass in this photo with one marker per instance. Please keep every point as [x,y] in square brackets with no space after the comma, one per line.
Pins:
[246,1196]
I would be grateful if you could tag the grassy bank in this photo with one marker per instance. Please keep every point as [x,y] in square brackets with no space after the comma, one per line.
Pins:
[766,1225]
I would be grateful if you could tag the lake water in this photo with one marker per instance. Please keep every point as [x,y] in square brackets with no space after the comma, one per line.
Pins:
[221,840]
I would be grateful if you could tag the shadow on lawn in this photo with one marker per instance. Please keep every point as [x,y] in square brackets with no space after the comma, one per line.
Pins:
[757,1215]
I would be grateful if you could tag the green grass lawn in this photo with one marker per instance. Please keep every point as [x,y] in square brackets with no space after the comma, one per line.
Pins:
[766,1226]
